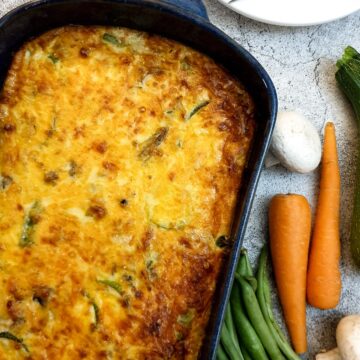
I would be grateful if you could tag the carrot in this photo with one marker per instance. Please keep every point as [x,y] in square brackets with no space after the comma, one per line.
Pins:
[324,278]
[290,231]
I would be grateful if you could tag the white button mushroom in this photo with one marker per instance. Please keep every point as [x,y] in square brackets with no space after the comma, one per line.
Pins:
[330,355]
[348,341]
[296,143]
[348,337]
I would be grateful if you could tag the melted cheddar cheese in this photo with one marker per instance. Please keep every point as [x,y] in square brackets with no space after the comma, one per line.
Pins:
[121,155]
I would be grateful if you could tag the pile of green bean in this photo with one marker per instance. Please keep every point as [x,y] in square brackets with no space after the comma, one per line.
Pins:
[250,331]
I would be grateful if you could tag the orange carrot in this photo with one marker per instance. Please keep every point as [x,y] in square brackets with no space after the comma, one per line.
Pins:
[324,278]
[290,231]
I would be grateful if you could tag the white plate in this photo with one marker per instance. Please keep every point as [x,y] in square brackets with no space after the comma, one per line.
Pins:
[294,12]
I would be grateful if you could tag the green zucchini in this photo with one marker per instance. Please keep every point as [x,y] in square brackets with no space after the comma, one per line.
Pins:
[96,310]
[348,78]
[73,168]
[184,64]
[111,39]
[150,264]
[9,336]
[186,319]
[112,284]
[196,109]
[166,224]
[96,313]
[53,58]
[30,220]
[179,336]
[149,147]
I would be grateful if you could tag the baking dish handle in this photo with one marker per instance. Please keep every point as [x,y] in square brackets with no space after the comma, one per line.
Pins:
[194,6]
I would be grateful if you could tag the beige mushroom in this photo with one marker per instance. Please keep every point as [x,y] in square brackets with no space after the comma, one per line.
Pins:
[330,355]
[348,341]
[295,144]
[348,337]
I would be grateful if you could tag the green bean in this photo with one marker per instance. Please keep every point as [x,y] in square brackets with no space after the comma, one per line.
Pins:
[242,266]
[263,295]
[229,340]
[245,354]
[247,335]
[229,323]
[257,319]
[252,281]
[230,348]
[221,354]
[245,269]
[247,265]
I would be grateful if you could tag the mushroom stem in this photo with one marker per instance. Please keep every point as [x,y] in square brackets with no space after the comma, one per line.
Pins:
[271,160]
[333,354]
[348,337]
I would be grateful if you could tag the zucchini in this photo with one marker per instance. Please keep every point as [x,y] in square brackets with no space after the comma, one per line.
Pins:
[348,78]
[30,220]
[73,168]
[95,309]
[179,336]
[149,146]
[150,264]
[53,58]
[5,182]
[196,109]
[96,313]
[111,39]
[112,284]
[184,65]
[169,225]
[186,319]
[53,126]
[9,336]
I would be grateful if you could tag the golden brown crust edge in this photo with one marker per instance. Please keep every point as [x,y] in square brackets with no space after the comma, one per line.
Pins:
[132,146]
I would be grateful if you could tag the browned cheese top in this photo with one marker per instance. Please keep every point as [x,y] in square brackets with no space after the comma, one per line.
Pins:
[121,155]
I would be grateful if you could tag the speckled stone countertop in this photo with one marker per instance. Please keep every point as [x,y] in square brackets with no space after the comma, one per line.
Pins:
[301,62]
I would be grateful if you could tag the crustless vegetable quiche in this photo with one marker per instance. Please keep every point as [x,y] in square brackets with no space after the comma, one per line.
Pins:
[121,154]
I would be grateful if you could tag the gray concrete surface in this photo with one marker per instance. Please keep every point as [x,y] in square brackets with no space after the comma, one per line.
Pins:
[301,62]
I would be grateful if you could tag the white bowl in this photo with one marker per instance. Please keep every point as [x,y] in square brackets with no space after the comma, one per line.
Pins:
[294,12]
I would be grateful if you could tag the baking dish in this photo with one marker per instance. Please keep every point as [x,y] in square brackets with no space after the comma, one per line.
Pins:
[187,22]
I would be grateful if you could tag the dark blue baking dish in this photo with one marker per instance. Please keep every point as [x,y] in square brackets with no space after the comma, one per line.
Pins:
[187,22]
